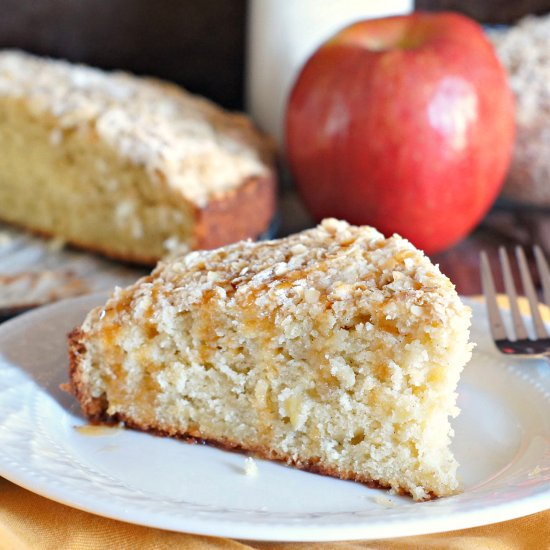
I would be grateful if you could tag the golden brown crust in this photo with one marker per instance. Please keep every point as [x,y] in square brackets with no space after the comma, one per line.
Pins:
[94,408]
[243,213]
[312,465]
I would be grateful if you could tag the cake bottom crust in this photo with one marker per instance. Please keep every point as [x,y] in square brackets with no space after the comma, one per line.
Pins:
[312,465]
[96,411]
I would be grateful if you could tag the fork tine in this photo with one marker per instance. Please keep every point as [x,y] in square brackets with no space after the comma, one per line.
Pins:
[510,287]
[544,273]
[530,293]
[498,329]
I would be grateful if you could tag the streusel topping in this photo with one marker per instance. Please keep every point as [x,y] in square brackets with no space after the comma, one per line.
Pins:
[338,263]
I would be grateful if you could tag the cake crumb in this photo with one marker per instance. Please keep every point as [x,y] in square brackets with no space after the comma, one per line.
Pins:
[250,467]
[384,501]
[56,137]
[57,244]
[5,238]
[534,472]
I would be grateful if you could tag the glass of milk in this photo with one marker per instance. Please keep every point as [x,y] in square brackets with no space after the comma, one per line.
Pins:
[282,34]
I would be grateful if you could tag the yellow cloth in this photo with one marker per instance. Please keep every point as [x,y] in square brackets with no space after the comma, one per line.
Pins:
[29,521]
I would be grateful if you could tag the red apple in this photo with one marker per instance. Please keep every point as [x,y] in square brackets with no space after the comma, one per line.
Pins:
[404,123]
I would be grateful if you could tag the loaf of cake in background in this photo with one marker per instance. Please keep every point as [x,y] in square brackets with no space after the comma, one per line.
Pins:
[524,50]
[335,350]
[126,166]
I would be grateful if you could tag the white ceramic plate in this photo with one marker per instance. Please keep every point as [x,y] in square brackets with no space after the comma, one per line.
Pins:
[502,442]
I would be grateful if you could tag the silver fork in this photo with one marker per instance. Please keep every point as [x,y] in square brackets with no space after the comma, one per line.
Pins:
[517,341]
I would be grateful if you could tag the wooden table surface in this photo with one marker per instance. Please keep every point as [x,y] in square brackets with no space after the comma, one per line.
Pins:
[506,225]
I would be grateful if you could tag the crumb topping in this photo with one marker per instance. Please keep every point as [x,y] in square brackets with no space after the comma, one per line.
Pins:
[335,260]
[334,266]
[182,140]
[250,467]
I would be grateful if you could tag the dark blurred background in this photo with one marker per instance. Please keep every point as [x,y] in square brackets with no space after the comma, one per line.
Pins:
[490,11]
[199,44]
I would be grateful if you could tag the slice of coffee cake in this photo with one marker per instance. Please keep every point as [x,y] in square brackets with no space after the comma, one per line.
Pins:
[335,350]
